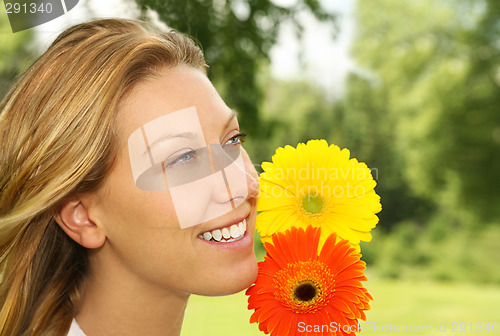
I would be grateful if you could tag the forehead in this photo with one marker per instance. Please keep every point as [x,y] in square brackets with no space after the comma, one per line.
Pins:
[173,90]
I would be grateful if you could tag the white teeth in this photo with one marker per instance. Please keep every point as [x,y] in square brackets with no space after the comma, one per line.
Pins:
[235,231]
[217,235]
[207,236]
[227,234]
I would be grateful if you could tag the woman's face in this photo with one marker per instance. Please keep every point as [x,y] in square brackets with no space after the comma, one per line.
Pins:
[144,238]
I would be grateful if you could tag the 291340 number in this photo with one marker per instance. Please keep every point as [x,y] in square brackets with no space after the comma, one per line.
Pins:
[33,8]
[474,327]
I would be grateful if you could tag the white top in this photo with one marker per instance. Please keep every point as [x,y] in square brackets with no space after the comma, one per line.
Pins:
[75,329]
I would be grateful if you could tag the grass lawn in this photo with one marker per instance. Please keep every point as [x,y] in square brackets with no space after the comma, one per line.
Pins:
[416,305]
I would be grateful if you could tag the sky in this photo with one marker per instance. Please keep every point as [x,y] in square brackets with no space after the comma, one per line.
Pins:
[325,60]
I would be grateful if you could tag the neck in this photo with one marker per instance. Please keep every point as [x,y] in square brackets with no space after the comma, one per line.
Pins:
[114,303]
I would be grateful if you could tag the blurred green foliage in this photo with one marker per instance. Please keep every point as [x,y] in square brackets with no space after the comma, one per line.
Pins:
[436,86]
[14,55]
[412,252]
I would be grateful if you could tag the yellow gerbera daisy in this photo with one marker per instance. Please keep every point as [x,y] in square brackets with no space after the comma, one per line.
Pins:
[317,184]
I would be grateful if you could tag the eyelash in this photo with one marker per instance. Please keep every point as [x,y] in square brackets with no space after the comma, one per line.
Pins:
[240,137]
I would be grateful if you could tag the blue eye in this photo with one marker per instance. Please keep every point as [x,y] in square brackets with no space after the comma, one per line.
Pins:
[237,139]
[184,158]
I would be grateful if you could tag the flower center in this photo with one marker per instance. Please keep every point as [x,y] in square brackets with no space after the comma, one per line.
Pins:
[304,286]
[305,291]
[312,204]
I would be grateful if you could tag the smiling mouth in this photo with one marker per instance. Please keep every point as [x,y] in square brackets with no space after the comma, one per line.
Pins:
[226,234]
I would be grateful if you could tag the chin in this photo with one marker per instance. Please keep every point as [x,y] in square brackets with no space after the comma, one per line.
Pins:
[244,280]
[233,280]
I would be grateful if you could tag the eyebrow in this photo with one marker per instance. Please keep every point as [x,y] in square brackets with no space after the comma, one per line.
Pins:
[232,116]
[185,135]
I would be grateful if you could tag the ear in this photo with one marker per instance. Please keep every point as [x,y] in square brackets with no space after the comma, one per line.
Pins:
[73,217]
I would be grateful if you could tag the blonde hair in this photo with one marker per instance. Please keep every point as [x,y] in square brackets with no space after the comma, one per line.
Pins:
[57,139]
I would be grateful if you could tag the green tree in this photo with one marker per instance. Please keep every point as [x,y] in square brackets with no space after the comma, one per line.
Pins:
[432,97]
[475,126]
[236,36]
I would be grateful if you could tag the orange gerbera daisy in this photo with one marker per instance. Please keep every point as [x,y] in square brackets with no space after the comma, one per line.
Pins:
[303,291]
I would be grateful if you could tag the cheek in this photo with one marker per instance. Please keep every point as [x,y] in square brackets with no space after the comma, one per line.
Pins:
[144,238]
[124,202]
[135,221]
[138,209]
[201,200]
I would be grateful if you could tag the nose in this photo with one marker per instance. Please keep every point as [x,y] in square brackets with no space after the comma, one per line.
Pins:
[251,176]
[238,174]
